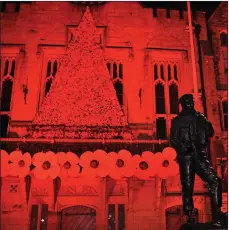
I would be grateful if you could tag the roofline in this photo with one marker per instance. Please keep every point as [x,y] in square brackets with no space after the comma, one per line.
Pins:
[215,12]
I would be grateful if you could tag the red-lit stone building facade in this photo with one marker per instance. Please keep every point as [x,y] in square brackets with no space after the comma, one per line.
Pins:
[147,52]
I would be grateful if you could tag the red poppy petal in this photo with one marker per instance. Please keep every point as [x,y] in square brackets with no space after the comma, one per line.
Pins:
[111,159]
[148,156]
[100,155]
[40,173]
[54,171]
[51,157]
[61,157]
[4,156]
[174,169]
[164,174]
[26,157]
[116,174]
[103,171]
[170,153]
[142,174]
[128,171]
[85,158]
[72,157]
[63,173]
[15,156]
[136,159]
[74,171]
[23,171]
[88,173]
[13,169]
[125,154]
[38,158]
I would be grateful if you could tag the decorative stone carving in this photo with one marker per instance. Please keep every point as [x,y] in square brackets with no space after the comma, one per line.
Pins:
[80,190]
[39,192]
[117,190]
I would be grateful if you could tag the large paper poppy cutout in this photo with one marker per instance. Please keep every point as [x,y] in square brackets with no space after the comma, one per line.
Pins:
[4,163]
[170,153]
[46,165]
[20,163]
[120,164]
[94,164]
[145,165]
[167,166]
[68,164]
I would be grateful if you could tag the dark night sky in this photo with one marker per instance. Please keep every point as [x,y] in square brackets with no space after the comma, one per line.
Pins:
[207,6]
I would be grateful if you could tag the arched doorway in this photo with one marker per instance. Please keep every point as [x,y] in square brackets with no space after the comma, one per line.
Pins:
[175,217]
[78,218]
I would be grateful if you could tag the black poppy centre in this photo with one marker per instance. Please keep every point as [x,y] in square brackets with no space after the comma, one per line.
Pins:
[165,164]
[21,163]
[143,165]
[67,165]
[46,165]
[120,163]
[94,164]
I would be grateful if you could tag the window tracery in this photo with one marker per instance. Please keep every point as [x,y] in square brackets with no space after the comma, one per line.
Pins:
[51,70]
[224,50]
[166,84]
[115,69]
[8,66]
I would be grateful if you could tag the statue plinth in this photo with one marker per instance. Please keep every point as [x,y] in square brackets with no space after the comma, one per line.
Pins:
[206,226]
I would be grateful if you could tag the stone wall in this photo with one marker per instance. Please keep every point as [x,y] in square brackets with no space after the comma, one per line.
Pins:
[145,202]
[41,26]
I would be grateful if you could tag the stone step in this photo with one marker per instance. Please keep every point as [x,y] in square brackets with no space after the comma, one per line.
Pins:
[201,226]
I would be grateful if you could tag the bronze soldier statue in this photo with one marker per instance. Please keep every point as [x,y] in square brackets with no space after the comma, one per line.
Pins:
[190,133]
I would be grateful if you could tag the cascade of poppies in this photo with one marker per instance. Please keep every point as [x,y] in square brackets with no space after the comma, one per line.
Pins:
[82,94]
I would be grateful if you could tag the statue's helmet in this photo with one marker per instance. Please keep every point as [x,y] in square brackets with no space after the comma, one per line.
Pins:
[187,101]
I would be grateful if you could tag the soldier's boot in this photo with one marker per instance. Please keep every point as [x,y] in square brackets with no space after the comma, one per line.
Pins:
[190,219]
[218,218]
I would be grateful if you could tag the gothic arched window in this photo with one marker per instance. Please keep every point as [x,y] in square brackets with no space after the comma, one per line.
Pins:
[12,68]
[173,98]
[169,72]
[6,68]
[49,69]
[4,121]
[224,49]
[7,87]
[54,68]
[161,128]
[162,71]
[224,39]
[155,72]
[48,86]
[175,72]
[116,73]
[109,67]
[120,70]
[160,98]
[225,114]
[115,70]
[119,91]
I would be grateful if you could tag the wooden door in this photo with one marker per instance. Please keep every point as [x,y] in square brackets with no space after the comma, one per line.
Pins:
[78,218]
